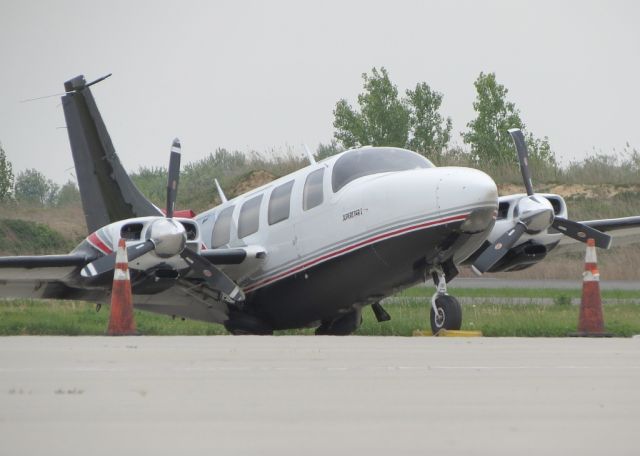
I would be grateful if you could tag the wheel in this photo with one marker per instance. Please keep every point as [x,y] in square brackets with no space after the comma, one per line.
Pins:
[344,325]
[449,314]
[242,324]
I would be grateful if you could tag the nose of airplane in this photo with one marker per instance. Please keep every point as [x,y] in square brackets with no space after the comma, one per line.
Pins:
[460,188]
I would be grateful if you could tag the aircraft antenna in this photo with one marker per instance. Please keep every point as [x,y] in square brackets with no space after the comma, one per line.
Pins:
[223,198]
[310,156]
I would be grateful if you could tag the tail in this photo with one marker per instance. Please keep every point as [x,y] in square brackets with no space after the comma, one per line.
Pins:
[107,192]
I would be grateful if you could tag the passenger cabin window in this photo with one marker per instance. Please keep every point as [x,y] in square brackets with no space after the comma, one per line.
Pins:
[312,193]
[364,162]
[222,228]
[248,221]
[280,202]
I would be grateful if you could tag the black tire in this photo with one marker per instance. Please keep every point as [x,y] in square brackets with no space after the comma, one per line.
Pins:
[241,324]
[451,311]
[344,325]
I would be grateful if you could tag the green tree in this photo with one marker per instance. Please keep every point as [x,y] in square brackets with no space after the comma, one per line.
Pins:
[327,150]
[488,133]
[33,187]
[68,194]
[152,183]
[540,151]
[430,132]
[6,176]
[383,119]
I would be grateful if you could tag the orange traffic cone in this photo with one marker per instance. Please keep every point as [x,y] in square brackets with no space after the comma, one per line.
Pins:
[121,320]
[591,322]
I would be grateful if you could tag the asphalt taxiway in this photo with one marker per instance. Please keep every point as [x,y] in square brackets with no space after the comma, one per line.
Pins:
[318,395]
[558,284]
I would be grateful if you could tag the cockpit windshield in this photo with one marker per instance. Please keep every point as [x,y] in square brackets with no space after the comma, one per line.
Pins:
[373,160]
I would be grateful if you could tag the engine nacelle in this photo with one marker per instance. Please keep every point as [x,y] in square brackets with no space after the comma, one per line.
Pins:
[521,257]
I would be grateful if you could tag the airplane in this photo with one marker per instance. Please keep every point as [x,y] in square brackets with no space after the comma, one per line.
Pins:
[310,249]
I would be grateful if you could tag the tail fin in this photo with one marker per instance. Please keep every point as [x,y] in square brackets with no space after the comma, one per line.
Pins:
[107,192]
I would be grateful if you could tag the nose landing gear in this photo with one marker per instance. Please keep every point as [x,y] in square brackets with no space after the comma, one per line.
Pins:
[446,312]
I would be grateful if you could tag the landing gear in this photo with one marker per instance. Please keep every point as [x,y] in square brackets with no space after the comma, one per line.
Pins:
[446,312]
[342,326]
[243,324]
[380,313]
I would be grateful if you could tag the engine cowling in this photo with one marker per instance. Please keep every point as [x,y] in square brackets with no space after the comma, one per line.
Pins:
[521,257]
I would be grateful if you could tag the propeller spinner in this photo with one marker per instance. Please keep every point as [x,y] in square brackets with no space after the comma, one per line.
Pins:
[534,214]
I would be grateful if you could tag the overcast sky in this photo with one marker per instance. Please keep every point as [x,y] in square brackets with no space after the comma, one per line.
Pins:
[261,75]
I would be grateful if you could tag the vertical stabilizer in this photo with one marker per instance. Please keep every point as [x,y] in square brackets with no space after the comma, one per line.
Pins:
[107,192]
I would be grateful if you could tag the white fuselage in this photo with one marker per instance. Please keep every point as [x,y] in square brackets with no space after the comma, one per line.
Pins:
[365,211]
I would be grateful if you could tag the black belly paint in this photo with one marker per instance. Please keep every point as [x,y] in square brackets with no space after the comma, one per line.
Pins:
[360,277]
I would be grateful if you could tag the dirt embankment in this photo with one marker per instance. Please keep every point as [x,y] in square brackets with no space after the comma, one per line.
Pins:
[251,181]
[574,190]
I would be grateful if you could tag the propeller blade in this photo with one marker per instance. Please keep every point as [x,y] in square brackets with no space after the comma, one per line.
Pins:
[523,158]
[173,178]
[498,249]
[581,232]
[108,262]
[214,277]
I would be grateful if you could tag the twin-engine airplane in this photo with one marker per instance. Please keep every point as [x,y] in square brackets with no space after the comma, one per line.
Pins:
[310,249]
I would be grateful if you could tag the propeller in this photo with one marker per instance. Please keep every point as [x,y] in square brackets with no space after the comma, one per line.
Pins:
[173,178]
[498,249]
[214,277]
[167,238]
[534,215]
[107,263]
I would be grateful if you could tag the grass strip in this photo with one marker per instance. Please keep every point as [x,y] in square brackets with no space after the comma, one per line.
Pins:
[36,317]
[553,293]
[75,318]
[504,320]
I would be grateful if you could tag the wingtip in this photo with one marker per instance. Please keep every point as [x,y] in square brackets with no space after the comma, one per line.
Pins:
[476,271]
[609,243]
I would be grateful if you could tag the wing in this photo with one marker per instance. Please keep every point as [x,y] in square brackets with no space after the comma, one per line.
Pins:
[41,267]
[189,299]
[43,276]
[625,231]
[195,298]
[55,277]
[624,223]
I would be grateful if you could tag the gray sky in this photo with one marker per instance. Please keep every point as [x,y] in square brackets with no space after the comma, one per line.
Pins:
[261,75]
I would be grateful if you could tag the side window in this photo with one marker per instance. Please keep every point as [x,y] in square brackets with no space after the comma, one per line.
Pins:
[312,193]
[248,221]
[280,202]
[222,228]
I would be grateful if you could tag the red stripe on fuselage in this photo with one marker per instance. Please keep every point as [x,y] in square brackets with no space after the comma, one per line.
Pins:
[351,247]
[95,241]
